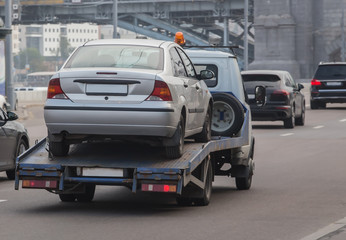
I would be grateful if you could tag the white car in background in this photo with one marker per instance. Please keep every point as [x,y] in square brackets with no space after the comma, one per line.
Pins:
[128,89]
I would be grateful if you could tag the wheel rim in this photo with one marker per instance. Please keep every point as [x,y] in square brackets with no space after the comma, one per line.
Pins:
[22,149]
[223,117]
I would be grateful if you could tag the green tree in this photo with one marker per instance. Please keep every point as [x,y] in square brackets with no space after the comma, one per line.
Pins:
[32,57]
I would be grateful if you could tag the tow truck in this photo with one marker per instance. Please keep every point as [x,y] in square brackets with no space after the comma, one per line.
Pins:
[230,152]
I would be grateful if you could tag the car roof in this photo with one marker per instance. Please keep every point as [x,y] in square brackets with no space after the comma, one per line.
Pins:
[207,54]
[279,73]
[138,42]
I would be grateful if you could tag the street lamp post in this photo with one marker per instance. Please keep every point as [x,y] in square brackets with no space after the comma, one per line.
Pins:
[8,54]
[115,18]
[246,49]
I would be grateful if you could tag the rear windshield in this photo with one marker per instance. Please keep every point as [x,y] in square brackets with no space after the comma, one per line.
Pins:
[331,72]
[260,78]
[119,56]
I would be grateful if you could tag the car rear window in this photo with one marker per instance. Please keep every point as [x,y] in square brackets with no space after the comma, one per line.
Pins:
[330,72]
[118,56]
[260,78]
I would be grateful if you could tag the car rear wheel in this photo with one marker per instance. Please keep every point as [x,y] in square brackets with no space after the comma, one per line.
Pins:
[176,151]
[22,147]
[59,148]
[67,197]
[316,104]
[301,120]
[228,115]
[244,183]
[289,122]
[205,135]
[89,193]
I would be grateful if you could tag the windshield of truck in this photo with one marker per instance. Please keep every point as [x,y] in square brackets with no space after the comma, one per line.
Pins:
[118,56]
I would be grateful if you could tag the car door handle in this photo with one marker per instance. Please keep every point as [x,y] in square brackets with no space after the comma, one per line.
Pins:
[186,85]
[197,87]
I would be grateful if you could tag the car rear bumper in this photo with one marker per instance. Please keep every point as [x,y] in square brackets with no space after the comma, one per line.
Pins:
[109,121]
[272,113]
[329,95]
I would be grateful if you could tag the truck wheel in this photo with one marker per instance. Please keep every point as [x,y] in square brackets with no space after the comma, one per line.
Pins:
[22,147]
[88,195]
[301,120]
[59,148]
[244,183]
[206,192]
[289,122]
[228,115]
[205,135]
[67,197]
[176,151]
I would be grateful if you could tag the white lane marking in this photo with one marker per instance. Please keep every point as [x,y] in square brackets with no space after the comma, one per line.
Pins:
[3,201]
[328,231]
[286,134]
[318,127]
[343,120]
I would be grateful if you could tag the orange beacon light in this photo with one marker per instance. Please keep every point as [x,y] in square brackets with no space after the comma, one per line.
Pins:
[179,38]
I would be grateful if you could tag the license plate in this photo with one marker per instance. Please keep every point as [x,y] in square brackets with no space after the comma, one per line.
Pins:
[333,84]
[106,89]
[102,172]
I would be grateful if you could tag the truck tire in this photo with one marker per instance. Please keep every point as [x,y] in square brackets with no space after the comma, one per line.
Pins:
[22,147]
[67,197]
[59,149]
[205,135]
[204,200]
[89,193]
[173,152]
[228,115]
[244,183]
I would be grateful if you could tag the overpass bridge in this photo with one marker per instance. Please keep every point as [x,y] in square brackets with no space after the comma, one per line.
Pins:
[200,20]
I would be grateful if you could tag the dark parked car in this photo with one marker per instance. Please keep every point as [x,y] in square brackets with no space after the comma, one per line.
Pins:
[328,85]
[274,96]
[14,141]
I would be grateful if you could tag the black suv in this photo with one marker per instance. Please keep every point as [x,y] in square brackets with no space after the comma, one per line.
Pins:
[328,85]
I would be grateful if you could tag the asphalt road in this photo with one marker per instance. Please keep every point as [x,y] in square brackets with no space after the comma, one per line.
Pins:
[298,188]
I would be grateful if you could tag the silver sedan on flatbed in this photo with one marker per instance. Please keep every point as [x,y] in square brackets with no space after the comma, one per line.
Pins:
[128,89]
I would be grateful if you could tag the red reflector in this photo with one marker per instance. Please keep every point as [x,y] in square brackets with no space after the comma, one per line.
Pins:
[40,184]
[315,82]
[161,92]
[159,188]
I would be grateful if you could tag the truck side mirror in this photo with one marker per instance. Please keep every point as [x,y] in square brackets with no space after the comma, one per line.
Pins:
[260,95]
[206,74]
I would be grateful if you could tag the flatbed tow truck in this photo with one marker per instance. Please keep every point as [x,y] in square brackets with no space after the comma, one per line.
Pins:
[144,168]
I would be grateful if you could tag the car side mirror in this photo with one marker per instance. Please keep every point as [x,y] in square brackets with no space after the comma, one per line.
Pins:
[11,116]
[300,86]
[206,74]
[260,95]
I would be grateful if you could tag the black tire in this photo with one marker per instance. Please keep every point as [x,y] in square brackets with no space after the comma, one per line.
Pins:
[322,105]
[67,197]
[173,152]
[289,122]
[301,120]
[314,104]
[244,183]
[88,195]
[205,135]
[204,200]
[182,201]
[227,116]
[22,147]
[59,149]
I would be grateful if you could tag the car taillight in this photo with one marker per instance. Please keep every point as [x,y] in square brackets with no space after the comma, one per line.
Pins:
[161,92]
[54,89]
[279,95]
[315,82]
